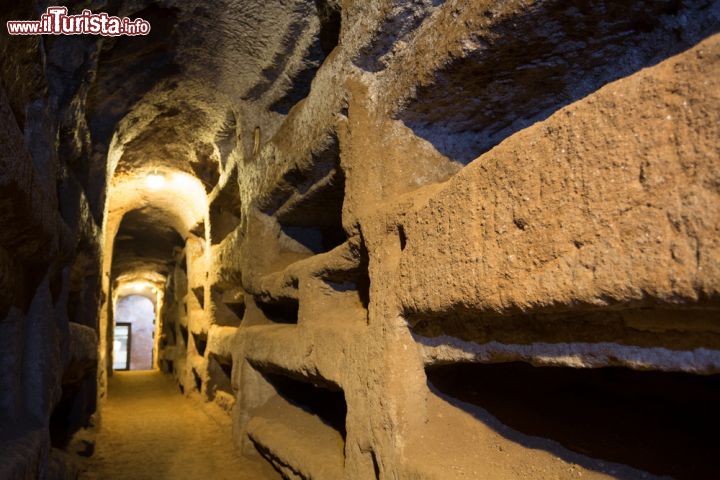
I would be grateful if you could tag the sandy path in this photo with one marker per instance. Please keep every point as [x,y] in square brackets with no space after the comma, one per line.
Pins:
[150,431]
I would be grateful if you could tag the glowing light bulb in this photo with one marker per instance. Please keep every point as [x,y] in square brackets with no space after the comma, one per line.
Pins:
[155,181]
[184,182]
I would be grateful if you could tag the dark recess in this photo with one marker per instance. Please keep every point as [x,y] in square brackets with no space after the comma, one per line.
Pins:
[280,311]
[237,308]
[301,81]
[330,24]
[225,211]
[323,164]
[663,423]
[200,340]
[361,288]
[184,334]
[223,222]
[402,237]
[167,366]
[226,137]
[220,370]
[168,334]
[328,404]
[682,328]
[199,293]
[73,411]
[357,279]
[315,219]
[363,277]
[229,305]
[535,63]
[198,381]
[317,240]
[376,466]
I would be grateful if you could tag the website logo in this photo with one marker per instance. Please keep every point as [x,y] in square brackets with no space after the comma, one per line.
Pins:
[56,21]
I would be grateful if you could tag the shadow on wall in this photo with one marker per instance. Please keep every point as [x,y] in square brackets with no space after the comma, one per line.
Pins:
[664,423]
[532,65]
[139,312]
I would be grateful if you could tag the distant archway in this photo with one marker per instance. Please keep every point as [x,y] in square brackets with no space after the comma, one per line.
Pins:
[134,340]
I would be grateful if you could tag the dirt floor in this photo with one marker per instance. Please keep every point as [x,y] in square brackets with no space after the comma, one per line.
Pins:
[150,431]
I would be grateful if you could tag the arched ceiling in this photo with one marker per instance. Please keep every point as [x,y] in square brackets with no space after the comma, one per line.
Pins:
[173,99]
[172,104]
[145,241]
[180,197]
[180,101]
[151,213]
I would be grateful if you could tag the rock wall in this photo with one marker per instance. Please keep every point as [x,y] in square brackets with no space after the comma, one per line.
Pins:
[483,246]
[49,264]
[392,239]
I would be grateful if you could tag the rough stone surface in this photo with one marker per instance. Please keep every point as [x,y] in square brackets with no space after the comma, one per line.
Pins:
[646,236]
[145,406]
[49,264]
[385,239]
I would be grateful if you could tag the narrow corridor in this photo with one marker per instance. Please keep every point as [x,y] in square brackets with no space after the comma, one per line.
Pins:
[150,431]
[360,240]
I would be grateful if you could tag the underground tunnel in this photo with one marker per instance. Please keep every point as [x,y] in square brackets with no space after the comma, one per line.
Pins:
[343,239]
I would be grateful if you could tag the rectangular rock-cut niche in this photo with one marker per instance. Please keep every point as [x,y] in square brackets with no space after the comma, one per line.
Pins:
[398,24]
[167,366]
[308,204]
[220,374]
[197,380]
[314,218]
[671,328]
[229,306]
[316,239]
[200,340]
[280,311]
[74,409]
[238,311]
[223,221]
[199,293]
[168,338]
[664,423]
[321,398]
[184,334]
[349,299]
[225,211]
[355,281]
[300,428]
[182,263]
[303,418]
[301,74]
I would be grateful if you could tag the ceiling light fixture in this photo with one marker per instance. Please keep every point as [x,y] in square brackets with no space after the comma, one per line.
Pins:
[155,181]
